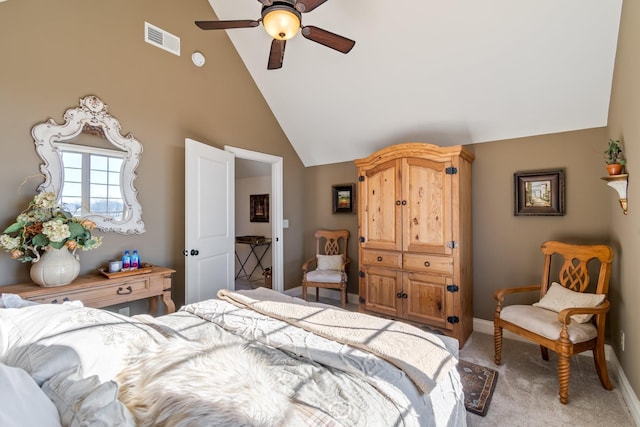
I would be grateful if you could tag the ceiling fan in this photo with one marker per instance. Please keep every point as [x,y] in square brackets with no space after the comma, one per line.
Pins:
[282,19]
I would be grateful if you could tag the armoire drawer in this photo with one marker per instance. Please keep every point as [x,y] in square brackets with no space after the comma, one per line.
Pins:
[427,263]
[382,258]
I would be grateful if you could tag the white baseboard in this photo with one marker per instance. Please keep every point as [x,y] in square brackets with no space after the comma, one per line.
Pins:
[631,399]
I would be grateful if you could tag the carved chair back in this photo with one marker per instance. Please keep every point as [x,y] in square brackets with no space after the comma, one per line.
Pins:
[330,242]
[574,272]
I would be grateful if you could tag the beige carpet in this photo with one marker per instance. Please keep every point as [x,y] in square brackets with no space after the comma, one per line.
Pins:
[527,390]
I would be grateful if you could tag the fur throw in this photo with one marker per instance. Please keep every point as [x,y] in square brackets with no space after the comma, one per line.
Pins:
[187,383]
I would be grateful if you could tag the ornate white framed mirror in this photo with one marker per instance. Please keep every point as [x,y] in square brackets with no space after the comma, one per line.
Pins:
[91,166]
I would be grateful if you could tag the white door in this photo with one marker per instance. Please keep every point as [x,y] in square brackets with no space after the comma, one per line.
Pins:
[210,221]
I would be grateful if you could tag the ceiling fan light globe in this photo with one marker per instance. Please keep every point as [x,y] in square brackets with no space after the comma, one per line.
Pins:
[281,23]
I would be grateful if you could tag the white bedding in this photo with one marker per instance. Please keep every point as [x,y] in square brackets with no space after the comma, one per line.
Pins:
[326,381]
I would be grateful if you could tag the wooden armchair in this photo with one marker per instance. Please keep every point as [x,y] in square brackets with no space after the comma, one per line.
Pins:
[328,269]
[555,321]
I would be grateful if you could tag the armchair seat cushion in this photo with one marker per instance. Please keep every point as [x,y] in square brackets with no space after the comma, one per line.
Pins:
[545,322]
[325,276]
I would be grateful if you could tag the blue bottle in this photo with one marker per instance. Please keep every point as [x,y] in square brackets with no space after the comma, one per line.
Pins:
[135,260]
[126,261]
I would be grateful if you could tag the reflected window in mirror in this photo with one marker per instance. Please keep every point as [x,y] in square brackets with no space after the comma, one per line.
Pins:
[91,181]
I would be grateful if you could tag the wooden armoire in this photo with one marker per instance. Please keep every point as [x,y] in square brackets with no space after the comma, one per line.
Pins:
[414,233]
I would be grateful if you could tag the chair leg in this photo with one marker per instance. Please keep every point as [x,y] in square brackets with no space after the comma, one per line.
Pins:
[343,297]
[564,371]
[497,343]
[304,291]
[317,294]
[601,366]
[544,351]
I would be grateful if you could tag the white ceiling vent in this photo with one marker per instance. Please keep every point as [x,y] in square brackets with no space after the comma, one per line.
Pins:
[161,38]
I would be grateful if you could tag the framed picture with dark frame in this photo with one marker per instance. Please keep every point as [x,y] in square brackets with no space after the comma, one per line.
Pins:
[539,193]
[344,198]
[259,208]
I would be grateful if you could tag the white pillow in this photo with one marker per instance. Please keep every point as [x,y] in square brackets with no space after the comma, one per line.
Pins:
[14,301]
[46,339]
[329,262]
[558,298]
[86,401]
[23,403]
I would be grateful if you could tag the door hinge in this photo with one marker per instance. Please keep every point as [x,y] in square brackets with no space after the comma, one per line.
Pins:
[451,170]
[453,319]
[361,239]
[361,178]
[361,273]
[452,244]
[361,300]
[452,288]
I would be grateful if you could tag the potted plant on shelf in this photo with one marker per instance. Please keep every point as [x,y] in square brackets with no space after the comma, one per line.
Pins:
[614,157]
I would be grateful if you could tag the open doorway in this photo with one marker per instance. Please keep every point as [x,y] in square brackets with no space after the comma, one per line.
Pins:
[261,175]
[254,260]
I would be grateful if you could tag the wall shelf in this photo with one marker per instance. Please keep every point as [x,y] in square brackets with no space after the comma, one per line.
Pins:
[619,183]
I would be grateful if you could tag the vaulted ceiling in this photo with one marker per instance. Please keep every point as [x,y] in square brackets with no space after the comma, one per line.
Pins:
[445,72]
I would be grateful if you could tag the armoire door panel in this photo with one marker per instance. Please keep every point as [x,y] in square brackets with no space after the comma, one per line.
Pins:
[427,212]
[427,301]
[380,207]
[381,288]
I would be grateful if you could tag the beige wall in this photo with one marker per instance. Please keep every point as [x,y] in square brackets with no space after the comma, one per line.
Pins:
[55,52]
[318,212]
[625,230]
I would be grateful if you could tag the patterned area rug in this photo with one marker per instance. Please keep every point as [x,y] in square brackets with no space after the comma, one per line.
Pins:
[478,384]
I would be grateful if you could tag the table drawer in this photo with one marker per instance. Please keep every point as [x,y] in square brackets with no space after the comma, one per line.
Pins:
[428,263]
[101,296]
[115,294]
[382,258]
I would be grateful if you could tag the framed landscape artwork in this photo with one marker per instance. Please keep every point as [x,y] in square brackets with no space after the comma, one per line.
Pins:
[539,193]
[344,198]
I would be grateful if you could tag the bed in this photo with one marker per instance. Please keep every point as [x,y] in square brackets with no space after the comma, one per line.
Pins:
[255,358]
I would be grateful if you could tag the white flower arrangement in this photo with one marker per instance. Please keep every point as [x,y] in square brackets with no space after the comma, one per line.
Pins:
[45,223]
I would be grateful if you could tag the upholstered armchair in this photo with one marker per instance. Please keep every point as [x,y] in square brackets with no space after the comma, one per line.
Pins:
[328,268]
[567,319]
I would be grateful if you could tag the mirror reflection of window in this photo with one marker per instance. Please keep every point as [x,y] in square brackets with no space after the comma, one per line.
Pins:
[91,181]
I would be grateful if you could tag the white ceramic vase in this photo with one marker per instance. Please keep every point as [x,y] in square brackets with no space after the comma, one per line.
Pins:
[56,267]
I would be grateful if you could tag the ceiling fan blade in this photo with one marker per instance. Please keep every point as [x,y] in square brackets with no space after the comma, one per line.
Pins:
[225,25]
[276,56]
[266,2]
[327,38]
[308,5]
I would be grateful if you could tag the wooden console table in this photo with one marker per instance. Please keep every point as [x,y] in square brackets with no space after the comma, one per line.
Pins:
[97,291]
